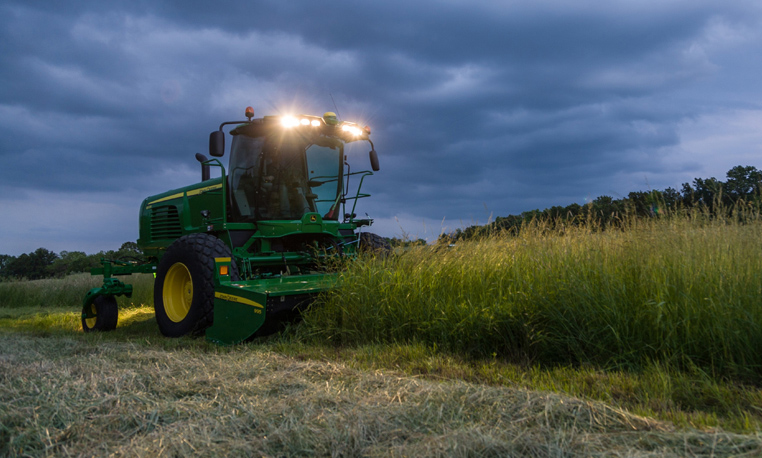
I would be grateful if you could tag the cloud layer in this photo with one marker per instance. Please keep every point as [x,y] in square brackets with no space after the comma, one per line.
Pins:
[477,107]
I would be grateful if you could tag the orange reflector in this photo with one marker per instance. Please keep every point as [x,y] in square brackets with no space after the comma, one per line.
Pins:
[223,270]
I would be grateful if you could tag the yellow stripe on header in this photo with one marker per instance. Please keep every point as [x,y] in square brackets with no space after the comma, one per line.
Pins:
[239,299]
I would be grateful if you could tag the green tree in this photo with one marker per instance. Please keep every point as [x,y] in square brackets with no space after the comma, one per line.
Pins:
[5,261]
[672,198]
[640,202]
[702,192]
[743,183]
[72,262]
[32,266]
[130,251]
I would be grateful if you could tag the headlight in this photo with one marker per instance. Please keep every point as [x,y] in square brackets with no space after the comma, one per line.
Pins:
[352,130]
[289,121]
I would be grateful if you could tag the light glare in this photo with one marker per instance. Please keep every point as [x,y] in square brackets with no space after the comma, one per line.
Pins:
[352,130]
[289,121]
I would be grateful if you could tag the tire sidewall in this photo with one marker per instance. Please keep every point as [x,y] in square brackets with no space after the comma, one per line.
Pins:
[106,314]
[197,253]
[181,251]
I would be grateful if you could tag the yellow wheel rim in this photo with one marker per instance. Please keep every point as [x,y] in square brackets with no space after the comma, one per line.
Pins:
[177,292]
[90,322]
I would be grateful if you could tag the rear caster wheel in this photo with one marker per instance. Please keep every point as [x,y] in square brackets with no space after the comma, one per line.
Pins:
[106,314]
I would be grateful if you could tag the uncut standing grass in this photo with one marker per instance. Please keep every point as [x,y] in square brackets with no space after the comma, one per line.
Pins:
[682,291]
[69,291]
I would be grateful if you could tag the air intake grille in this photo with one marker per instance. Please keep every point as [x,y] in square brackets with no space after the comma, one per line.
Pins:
[165,223]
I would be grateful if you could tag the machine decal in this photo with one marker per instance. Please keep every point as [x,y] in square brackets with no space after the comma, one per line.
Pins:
[239,299]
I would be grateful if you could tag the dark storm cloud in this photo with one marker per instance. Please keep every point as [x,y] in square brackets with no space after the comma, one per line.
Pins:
[503,105]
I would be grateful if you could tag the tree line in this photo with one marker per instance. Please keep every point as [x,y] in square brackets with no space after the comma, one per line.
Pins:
[742,186]
[43,263]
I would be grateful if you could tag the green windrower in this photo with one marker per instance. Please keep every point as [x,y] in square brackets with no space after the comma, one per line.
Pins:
[232,253]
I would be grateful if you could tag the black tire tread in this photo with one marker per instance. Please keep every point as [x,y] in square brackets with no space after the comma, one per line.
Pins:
[200,249]
[107,314]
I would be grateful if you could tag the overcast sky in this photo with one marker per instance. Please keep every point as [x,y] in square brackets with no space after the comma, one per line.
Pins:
[478,108]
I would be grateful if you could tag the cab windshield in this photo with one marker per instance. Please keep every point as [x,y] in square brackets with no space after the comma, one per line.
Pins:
[282,178]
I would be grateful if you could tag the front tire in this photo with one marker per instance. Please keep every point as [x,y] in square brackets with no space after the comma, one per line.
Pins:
[106,315]
[183,293]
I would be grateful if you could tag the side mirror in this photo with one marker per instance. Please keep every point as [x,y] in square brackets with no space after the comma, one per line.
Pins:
[217,143]
[374,161]
[205,173]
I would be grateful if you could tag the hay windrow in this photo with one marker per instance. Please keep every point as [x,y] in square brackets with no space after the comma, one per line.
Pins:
[62,396]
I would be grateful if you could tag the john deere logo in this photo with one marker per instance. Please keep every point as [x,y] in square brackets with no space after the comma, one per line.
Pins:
[313,218]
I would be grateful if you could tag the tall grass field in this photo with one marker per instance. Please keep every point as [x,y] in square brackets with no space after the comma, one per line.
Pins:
[684,292]
[69,292]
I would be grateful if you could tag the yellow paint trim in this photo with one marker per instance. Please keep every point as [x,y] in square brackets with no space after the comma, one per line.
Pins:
[173,196]
[208,188]
[192,192]
[221,259]
[239,299]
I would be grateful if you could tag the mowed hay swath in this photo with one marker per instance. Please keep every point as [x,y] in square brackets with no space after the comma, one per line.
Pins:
[682,291]
[62,396]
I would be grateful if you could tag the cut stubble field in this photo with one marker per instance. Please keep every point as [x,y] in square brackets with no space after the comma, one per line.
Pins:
[86,397]
[558,341]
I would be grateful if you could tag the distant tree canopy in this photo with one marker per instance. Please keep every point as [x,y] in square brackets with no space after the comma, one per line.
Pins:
[743,185]
[29,265]
[43,263]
